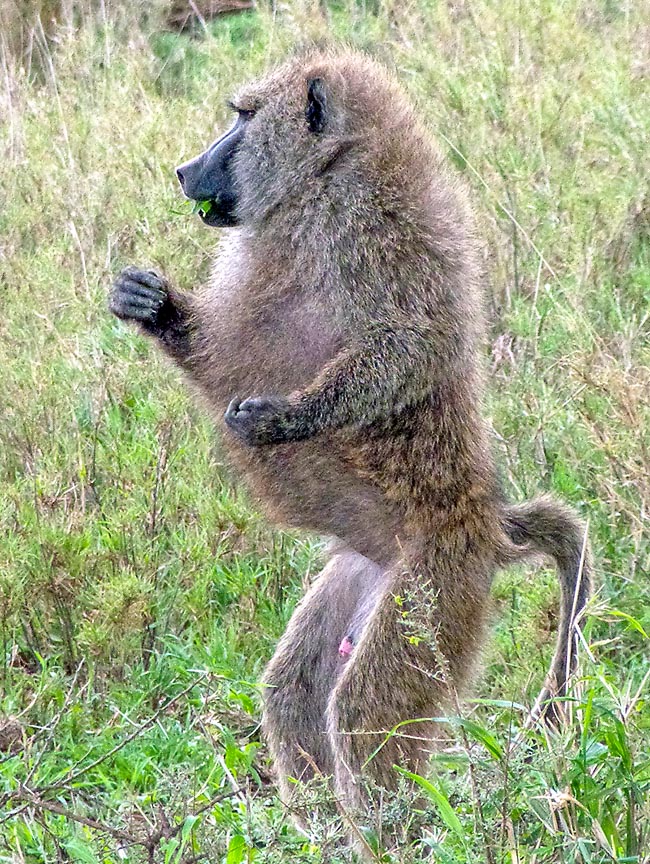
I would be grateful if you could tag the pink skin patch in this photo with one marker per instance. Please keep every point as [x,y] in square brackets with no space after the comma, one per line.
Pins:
[345,648]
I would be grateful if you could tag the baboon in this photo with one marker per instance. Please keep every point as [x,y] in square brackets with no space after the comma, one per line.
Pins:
[338,341]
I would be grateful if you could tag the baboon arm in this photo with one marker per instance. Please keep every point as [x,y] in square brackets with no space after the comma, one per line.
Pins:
[392,368]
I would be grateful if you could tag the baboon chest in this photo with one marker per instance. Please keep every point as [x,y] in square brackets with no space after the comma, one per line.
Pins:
[274,346]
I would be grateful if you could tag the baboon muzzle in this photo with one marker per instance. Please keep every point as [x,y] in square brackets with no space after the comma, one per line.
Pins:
[208,178]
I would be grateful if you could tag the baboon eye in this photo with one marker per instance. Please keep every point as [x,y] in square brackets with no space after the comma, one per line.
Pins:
[244,113]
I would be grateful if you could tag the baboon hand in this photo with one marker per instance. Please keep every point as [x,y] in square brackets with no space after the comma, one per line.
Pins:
[140,295]
[261,420]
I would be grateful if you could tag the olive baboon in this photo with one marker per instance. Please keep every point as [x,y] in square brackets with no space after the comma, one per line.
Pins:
[342,327]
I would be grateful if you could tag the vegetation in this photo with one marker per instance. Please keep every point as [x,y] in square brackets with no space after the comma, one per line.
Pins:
[140,592]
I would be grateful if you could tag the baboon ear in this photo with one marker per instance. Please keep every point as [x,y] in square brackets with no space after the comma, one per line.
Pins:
[316,110]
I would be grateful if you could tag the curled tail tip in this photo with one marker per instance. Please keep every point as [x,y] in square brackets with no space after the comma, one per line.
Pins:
[546,526]
[549,527]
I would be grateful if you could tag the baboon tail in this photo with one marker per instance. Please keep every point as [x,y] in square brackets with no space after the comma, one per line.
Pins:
[546,526]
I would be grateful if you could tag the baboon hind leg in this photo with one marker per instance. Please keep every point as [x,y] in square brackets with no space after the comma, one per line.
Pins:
[417,649]
[306,665]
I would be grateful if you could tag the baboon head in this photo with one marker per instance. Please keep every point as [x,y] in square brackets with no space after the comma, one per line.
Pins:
[294,129]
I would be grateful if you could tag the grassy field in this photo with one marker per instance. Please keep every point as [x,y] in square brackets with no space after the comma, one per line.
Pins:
[141,594]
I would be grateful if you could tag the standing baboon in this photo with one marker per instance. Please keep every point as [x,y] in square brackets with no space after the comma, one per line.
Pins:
[342,328]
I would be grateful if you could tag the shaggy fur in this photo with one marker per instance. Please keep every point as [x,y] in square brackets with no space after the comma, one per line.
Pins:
[346,310]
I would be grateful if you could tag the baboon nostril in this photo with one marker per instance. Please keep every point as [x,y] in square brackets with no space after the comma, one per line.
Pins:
[181,177]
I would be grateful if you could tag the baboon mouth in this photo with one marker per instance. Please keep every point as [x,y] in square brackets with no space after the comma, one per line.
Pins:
[214,212]
[205,208]
[209,213]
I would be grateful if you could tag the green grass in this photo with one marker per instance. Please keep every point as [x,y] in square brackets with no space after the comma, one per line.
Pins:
[140,593]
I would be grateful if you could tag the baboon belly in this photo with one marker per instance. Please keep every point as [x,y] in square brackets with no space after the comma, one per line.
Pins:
[309,485]
[306,484]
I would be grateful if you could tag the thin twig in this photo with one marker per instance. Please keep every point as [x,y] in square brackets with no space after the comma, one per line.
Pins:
[367,848]
[74,775]
[32,799]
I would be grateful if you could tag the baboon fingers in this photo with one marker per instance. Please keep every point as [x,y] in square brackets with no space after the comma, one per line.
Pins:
[133,311]
[127,306]
[148,278]
[138,295]
[260,420]
[137,298]
[135,290]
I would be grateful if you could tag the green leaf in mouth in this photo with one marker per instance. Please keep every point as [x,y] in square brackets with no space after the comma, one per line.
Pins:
[202,207]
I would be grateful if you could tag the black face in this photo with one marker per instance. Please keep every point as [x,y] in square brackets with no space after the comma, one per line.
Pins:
[208,177]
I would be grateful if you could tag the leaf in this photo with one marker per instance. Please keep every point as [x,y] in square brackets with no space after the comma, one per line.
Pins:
[371,838]
[450,761]
[634,624]
[444,808]
[203,207]
[237,848]
[170,849]
[188,825]
[587,713]
[479,733]
[244,700]
[79,851]
[500,703]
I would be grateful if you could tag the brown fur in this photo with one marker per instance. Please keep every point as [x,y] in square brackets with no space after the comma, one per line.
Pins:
[351,296]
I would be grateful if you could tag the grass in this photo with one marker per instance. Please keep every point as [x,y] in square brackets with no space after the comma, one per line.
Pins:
[140,593]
